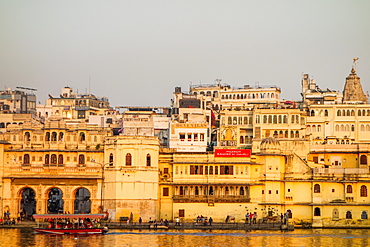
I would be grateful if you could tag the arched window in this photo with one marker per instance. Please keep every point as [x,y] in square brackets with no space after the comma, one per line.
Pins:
[339,113]
[211,170]
[148,160]
[210,192]
[27,137]
[61,136]
[81,159]
[216,170]
[196,191]
[60,159]
[46,159]
[82,136]
[326,113]
[364,215]
[363,191]
[270,119]
[317,212]
[53,136]
[316,188]
[285,119]
[227,192]
[111,159]
[359,112]
[258,119]
[182,192]
[53,159]
[349,189]
[312,113]
[229,121]
[128,159]
[348,215]
[363,160]
[26,159]
[47,136]
[264,118]
[241,191]
[336,127]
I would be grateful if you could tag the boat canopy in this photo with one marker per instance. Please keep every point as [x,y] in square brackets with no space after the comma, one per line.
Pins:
[68,216]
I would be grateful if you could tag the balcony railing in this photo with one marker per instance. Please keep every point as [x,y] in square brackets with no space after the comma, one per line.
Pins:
[341,171]
[211,198]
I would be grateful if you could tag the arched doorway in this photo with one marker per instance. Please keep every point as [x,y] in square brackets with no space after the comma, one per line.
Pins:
[82,202]
[28,202]
[55,201]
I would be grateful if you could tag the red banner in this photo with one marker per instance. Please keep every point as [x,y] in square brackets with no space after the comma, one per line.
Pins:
[232,153]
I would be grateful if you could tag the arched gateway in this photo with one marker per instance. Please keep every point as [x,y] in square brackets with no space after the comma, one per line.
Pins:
[82,203]
[27,202]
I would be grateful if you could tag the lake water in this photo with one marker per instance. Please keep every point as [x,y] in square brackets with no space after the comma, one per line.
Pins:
[190,238]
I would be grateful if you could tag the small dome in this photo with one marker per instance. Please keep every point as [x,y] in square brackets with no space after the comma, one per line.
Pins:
[270,145]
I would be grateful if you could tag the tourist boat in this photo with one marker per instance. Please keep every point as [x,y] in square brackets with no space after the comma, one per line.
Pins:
[74,227]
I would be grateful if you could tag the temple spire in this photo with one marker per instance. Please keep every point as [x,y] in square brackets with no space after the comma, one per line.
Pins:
[353,92]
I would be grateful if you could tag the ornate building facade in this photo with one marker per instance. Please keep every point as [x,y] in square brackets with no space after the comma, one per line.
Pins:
[231,151]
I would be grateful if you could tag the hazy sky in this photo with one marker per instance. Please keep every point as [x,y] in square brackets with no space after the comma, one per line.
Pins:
[137,52]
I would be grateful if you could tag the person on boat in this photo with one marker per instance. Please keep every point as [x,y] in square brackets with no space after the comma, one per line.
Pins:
[140,220]
[69,224]
[75,223]
[210,221]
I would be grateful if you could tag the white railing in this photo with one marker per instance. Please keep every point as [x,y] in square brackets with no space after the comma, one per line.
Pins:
[341,170]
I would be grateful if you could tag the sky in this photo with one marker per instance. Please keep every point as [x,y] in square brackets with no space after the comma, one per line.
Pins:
[137,52]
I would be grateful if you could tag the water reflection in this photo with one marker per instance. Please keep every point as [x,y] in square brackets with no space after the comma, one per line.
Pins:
[190,238]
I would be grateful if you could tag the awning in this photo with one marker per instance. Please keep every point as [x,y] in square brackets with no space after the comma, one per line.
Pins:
[68,216]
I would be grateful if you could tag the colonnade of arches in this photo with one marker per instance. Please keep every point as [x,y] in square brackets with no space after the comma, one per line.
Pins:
[346,113]
[5,124]
[211,190]
[54,201]
[53,136]
[250,96]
